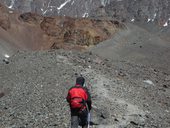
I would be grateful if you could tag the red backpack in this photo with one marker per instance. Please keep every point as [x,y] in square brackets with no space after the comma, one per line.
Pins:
[77,96]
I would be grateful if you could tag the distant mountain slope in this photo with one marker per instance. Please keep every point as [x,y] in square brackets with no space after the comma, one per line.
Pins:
[31,31]
[137,45]
[130,10]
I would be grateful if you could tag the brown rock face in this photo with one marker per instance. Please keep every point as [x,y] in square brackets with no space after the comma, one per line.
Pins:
[4,18]
[34,32]
[83,32]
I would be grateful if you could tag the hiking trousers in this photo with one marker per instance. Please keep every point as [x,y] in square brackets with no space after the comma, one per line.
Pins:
[79,118]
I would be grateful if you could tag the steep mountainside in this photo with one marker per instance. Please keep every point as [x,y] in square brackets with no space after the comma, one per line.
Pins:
[29,31]
[131,10]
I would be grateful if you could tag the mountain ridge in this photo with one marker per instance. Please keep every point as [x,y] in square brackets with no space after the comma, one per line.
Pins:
[153,11]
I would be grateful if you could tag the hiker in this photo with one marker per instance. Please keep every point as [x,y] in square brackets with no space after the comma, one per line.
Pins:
[79,100]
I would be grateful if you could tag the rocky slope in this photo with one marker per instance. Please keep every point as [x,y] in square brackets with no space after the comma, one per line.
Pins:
[130,10]
[152,15]
[140,10]
[35,86]
[128,75]
[56,29]
[31,31]
[138,45]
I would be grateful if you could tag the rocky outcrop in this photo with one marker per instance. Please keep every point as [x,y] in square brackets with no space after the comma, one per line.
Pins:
[4,18]
[83,32]
[152,11]
[34,32]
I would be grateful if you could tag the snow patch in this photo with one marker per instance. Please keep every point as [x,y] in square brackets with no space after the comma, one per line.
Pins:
[132,20]
[12,4]
[49,8]
[6,56]
[104,2]
[62,5]
[72,2]
[85,15]
[45,12]
[166,24]
[49,3]
[148,82]
[154,16]
[149,20]
[89,66]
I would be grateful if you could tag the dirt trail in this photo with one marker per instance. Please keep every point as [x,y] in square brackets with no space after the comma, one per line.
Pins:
[104,89]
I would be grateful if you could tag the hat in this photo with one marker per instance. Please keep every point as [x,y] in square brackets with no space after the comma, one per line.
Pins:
[80,80]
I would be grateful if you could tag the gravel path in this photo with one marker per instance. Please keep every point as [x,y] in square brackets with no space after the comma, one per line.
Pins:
[36,84]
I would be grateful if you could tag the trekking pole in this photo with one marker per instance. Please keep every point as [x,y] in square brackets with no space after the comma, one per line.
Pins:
[88,116]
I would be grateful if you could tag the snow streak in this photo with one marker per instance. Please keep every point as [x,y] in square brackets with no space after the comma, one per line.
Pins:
[12,4]
[62,5]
